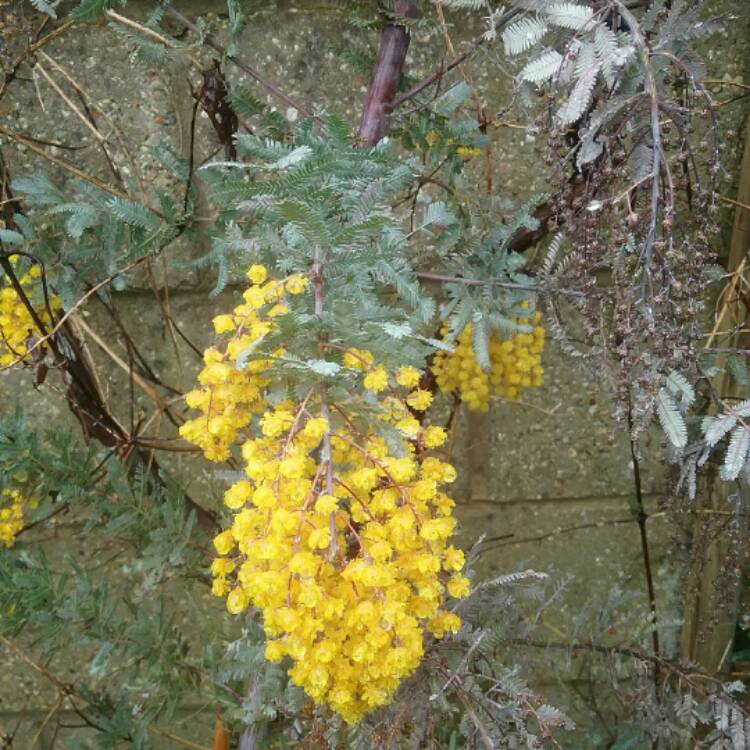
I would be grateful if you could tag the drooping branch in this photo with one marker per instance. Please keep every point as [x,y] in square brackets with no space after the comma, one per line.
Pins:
[83,395]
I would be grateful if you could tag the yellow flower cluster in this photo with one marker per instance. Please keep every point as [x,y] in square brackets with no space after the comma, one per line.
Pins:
[462,150]
[339,538]
[515,364]
[12,503]
[230,396]
[16,324]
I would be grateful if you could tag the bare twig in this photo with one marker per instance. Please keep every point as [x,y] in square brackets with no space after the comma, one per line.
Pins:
[209,41]
[145,30]
[455,62]
[29,144]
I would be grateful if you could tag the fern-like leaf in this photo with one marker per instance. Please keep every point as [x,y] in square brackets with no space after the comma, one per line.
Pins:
[480,340]
[132,213]
[737,367]
[715,428]
[670,419]
[736,454]
[580,96]
[569,15]
[522,35]
[605,43]
[680,387]
[542,68]
[44,7]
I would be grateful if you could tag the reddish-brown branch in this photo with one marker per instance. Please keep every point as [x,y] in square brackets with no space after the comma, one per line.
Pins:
[445,67]
[381,92]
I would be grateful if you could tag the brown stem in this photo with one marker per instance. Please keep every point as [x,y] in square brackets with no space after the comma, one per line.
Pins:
[641,517]
[91,179]
[381,92]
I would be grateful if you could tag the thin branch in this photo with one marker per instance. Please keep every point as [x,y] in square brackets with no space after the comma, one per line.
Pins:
[209,41]
[152,392]
[11,74]
[176,739]
[145,30]
[73,108]
[641,518]
[447,279]
[29,144]
[455,62]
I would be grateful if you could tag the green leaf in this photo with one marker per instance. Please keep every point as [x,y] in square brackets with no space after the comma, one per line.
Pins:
[323,367]
[297,156]
[542,68]
[245,354]
[679,386]
[397,330]
[88,10]
[737,366]
[580,97]
[44,7]
[38,190]
[170,159]
[480,340]
[438,215]
[452,99]
[11,237]
[132,213]
[98,665]
[715,428]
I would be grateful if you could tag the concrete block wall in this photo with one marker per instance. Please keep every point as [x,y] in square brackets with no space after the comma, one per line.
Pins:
[548,480]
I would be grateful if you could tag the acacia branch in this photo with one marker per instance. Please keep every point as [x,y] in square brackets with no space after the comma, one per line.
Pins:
[82,393]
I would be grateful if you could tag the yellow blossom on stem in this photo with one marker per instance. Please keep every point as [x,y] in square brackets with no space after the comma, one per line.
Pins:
[12,502]
[515,365]
[338,537]
[17,326]
[257,273]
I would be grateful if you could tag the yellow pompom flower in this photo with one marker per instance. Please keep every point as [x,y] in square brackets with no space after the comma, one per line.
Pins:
[515,365]
[17,327]
[347,559]
[376,379]
[223,323]
[257,273]
[12,502]
[297,284]
[223,542]
[419,400]
[408,377]
[434,436]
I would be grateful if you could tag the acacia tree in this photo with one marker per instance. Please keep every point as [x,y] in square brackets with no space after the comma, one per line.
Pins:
[378,291]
